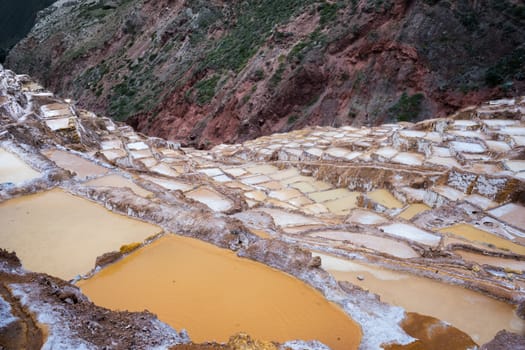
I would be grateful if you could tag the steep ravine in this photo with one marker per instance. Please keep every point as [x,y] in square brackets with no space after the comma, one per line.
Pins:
[206,72]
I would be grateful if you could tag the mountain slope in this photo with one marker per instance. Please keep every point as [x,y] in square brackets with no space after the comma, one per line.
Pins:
[16,20]
[204,72]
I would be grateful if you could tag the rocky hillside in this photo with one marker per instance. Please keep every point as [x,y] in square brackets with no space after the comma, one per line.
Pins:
[205,72]
[16,20]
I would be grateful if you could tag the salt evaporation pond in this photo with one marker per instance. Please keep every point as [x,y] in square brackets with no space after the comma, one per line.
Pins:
[213,294]
[473,234]
[381,244]
[477,315]
[14,169]
[118,182]
[60,234]
[69,161]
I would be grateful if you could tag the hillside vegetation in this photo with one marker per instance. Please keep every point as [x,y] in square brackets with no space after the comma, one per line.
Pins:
[203,72]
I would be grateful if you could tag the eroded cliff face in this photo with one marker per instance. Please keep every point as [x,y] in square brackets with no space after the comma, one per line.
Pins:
[206,72]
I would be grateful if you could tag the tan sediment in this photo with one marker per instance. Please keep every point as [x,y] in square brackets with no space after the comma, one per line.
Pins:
[62,235]
[213,294]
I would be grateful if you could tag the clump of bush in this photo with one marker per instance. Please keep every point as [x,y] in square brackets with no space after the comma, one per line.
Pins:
[206,89]
[511,66]
[407,108]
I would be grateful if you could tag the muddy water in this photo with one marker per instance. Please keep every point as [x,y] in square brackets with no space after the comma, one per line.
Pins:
[432,334]
[119,181]
[74,163]
[413,210]
[479,316]
[473,234]
[384,198]
[213,294]
[14,169]
[56,233]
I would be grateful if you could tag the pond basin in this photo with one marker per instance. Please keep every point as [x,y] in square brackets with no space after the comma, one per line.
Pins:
[14,169]
[474,234]
[380,244]
[69,161]
[213,294]
[507,264]
[60,234]
[384,198]
[413,210]
[464,309]
[118,182]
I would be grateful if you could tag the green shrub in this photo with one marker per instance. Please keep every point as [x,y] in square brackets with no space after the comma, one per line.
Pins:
[509,67]
[206,89]
[407,107]
[293,118]
[277,76]
[328,13]
[258,74]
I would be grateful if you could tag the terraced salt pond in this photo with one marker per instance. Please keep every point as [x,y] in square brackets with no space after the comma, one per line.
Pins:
[119,182]
[384,198]
[413,210]
[479,316]
[14,169]
[62,235]
[474,234]
[69,161]
[389,246]
[213,294]
[508,264]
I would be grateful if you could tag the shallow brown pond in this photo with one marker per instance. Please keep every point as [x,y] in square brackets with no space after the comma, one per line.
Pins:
[62,235]
[462,308]
[213,294]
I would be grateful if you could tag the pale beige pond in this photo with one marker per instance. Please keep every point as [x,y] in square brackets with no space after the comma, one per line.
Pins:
[118,181]
[213,294]
[343,206]
[511,213]
[511,264]
[169,184]
[210,198]
[62,235]
[381,244]
[473,234]
[330,195]
[14,169]
[285,219]
[365,217]
[479,316]
[69,161]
